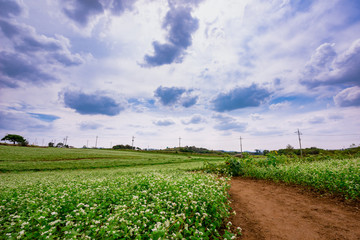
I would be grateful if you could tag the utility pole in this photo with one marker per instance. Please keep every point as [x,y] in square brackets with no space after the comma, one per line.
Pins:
[96,141]
[299,133]
[132,144]
[179,142]
[241,144]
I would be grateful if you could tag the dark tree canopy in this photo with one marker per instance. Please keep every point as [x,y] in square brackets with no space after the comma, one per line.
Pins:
[14,139]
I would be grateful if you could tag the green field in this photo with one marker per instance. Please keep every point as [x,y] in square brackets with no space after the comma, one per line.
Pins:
[336,175]
[53,193]
[50,193]
[15,158]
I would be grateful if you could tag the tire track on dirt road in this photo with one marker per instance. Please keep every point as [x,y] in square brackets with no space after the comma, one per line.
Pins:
[268,210]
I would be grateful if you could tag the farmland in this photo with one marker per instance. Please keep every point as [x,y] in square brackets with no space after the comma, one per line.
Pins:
[52,193]
[40,159]
[102,194]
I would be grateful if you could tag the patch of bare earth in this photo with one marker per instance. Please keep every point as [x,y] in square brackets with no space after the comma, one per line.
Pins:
[268,210]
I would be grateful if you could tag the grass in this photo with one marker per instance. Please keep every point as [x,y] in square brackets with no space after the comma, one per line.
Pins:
[13,158]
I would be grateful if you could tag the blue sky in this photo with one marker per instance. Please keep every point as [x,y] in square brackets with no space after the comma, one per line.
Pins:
[207,71]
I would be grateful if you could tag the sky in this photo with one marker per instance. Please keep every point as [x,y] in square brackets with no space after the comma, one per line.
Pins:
[199,73]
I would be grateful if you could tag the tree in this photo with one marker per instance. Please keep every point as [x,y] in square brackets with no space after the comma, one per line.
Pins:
[258,152]
[15,139]
[289,147]
[127,146]
[60,145]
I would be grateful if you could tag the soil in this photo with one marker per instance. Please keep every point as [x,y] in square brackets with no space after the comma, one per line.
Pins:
[269,210]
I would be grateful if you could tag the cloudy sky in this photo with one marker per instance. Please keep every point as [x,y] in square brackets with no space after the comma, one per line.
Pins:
[206,71]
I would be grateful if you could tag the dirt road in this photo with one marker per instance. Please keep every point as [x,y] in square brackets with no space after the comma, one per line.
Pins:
[267,210]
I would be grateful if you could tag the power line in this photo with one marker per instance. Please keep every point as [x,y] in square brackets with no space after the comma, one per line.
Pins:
[331,135]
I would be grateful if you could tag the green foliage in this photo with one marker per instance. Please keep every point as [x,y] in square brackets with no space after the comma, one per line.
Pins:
[231,167]
[339,175]
[313,152]
[111,205]
[122,147]
[193,149]
[15,139]
[234,167]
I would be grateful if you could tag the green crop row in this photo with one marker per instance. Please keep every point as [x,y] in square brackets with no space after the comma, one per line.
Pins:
[336,176]
[111,204]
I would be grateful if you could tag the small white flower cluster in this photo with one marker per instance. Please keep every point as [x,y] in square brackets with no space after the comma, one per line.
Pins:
[165,205]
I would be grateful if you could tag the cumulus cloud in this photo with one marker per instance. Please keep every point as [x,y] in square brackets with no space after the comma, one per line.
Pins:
[170,96]
[348,97]
[348,64]
[30,56]
[25,39]
[240,97]
[321,59]
[17,67]
[227,123]
[119,6]
[82,11]
[180,25]
[91,104]
[196,119]
[163,54]
[10,8]
[326,67]
[189,101]
[164,123]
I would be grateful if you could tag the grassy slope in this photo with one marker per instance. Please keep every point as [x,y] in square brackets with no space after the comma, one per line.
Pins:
[14,158]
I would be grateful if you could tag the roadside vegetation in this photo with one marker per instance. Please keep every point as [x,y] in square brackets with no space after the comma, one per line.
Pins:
[335,172]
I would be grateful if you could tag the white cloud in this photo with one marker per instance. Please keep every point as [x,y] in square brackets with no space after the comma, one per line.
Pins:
[279,106]
[348,97]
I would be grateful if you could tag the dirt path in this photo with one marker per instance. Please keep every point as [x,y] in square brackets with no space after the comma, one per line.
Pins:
[267,210]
